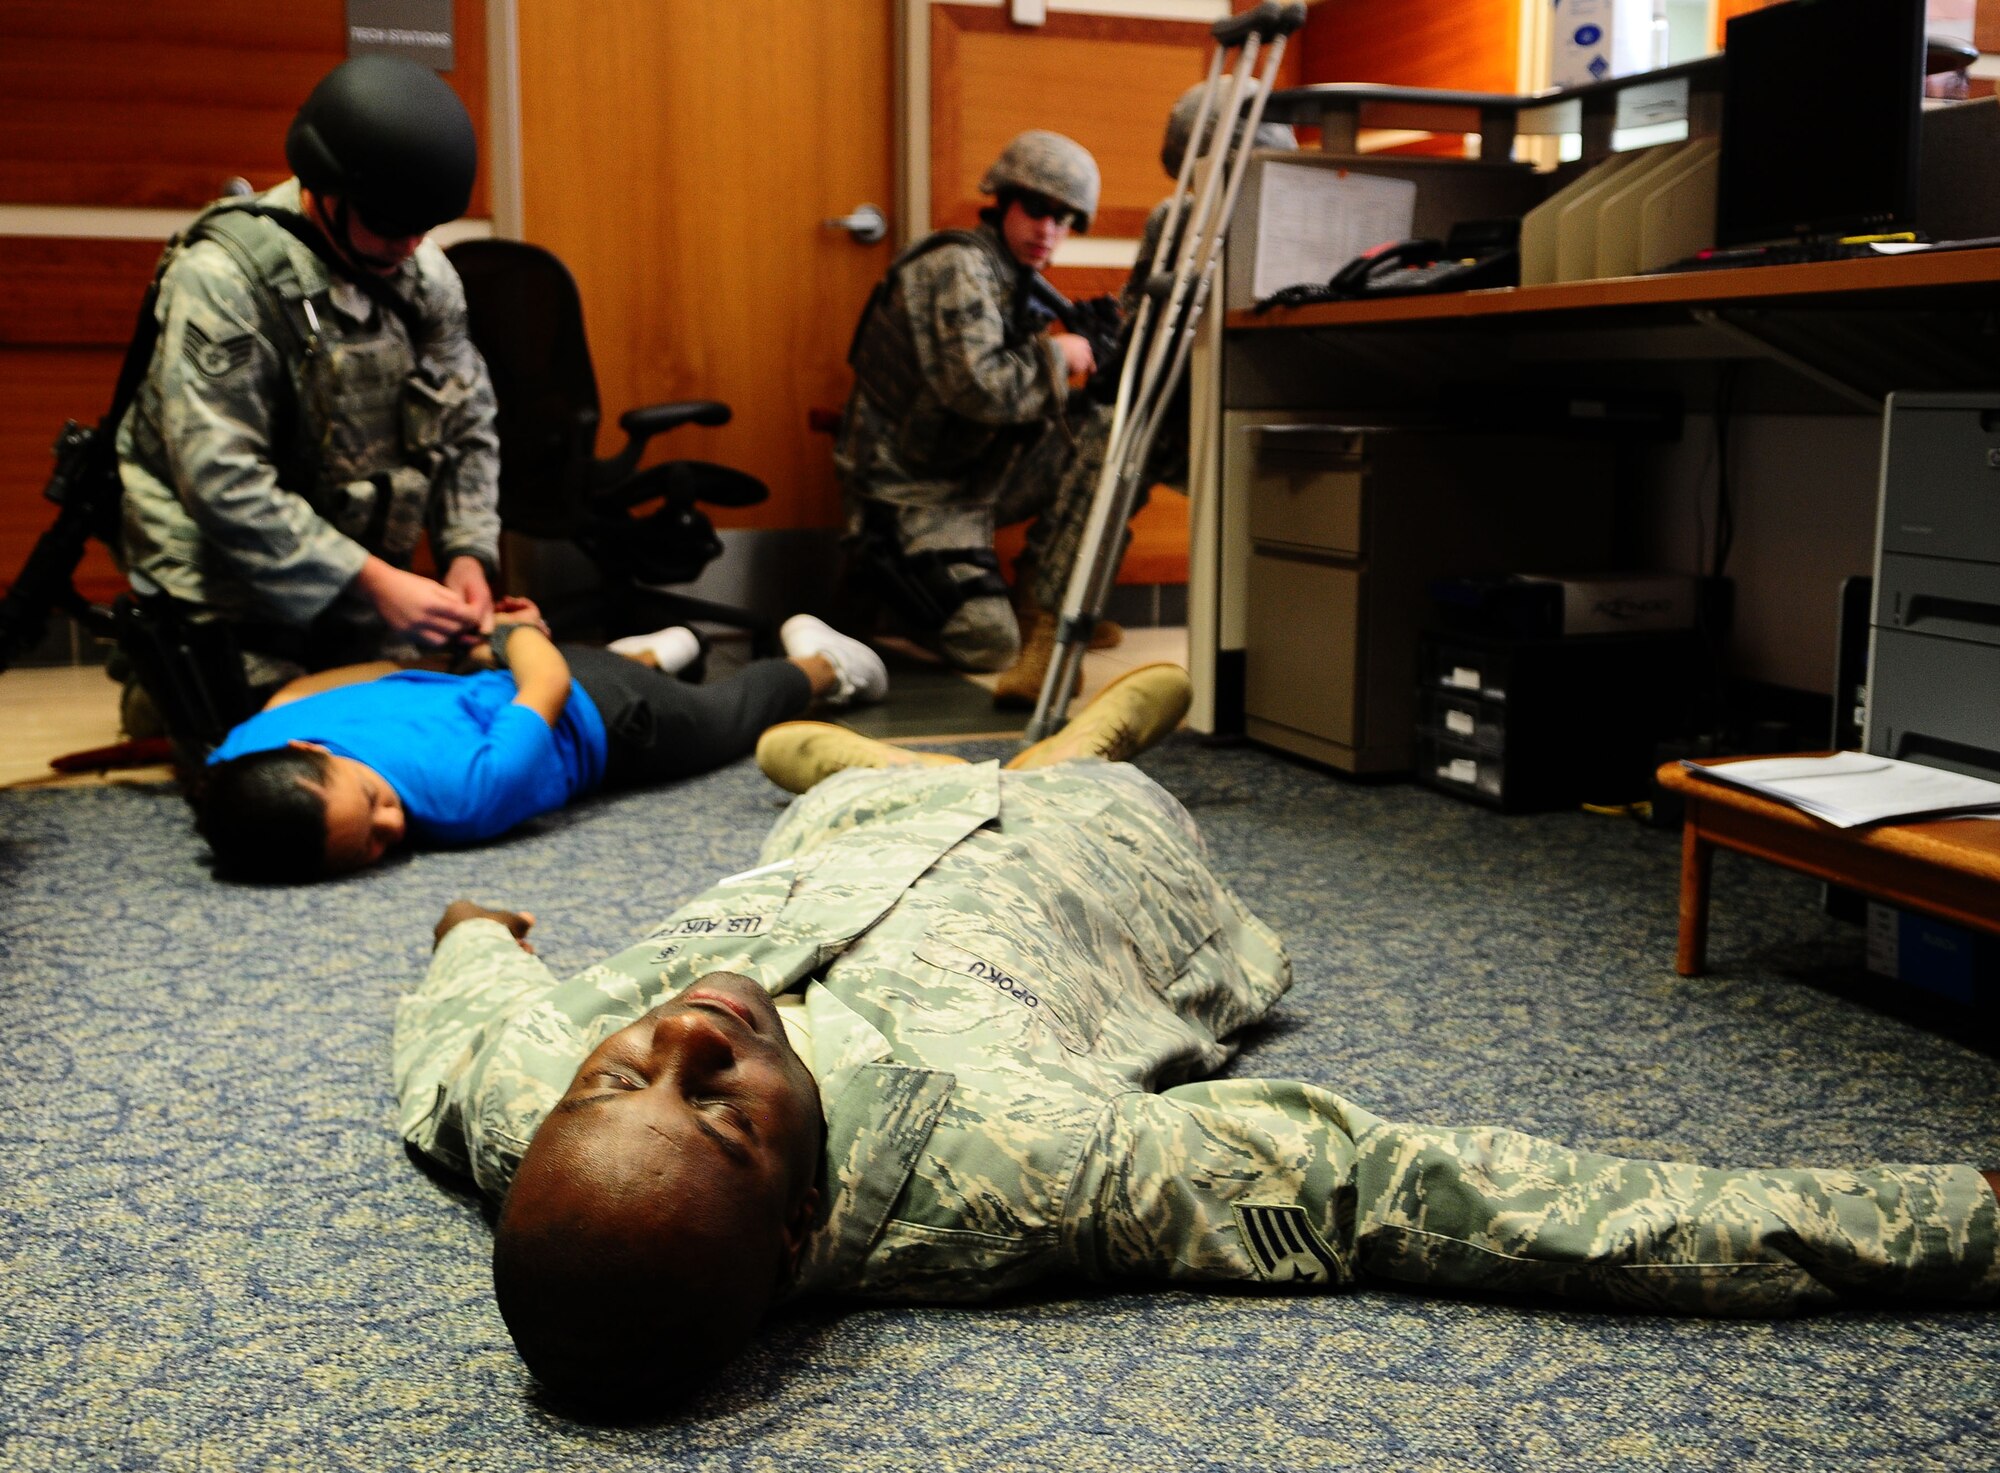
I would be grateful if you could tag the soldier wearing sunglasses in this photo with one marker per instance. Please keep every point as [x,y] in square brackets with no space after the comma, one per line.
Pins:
[961,418]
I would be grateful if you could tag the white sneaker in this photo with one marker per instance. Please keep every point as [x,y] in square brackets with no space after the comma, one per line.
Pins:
[858,672]
[673,649]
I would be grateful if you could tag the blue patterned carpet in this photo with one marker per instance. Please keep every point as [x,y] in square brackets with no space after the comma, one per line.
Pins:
[214,1253]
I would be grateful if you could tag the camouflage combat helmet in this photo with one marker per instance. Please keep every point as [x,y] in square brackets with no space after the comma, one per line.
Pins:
[389,137]
[1049,164]
[1180,123]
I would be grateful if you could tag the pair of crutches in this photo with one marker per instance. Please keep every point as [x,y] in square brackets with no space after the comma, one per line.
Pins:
[1182,274]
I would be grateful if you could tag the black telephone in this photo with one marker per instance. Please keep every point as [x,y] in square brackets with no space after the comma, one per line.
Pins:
[1477,253]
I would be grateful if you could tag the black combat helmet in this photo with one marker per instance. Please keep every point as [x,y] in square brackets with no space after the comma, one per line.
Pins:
[389,137]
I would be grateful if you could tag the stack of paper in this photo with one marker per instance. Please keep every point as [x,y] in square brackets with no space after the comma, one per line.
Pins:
[1851,788]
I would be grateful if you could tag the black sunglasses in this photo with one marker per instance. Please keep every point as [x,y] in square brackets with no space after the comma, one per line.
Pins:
[1040,207]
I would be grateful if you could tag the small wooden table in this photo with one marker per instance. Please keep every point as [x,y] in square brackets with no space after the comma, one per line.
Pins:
[1944,867]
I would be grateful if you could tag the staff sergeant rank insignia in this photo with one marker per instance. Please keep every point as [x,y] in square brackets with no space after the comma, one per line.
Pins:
[215,359]
[1283,1245]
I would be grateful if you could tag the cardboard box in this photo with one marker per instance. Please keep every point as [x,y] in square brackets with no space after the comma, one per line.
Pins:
[1592,40]
[1955,962]
[1623,603]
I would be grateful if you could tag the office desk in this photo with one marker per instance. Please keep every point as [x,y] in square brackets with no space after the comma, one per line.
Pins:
[1853,330]
[1831,337]
[1918,279]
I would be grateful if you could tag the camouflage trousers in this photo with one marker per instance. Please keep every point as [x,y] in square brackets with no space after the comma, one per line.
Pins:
[1048,482]
[1290,1184]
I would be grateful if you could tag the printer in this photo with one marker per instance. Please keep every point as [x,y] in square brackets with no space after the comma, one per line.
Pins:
[1934,636]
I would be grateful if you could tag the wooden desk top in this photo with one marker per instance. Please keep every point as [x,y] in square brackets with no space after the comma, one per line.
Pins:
[1920,272]
[1970,846]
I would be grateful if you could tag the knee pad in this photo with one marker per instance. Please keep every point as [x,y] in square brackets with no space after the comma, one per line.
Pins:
[927,589]
[982,634]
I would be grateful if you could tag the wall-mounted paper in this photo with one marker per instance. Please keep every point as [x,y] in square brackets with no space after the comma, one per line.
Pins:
[1313,221]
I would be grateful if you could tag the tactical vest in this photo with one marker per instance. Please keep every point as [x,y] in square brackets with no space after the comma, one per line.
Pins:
[362,434]
[883,353]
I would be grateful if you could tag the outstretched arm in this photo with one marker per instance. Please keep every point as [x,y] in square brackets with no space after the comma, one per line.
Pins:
[1293,1186]
[517,922]
[482,971]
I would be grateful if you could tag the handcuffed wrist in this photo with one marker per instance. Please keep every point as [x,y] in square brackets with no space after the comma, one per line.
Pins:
[497,642]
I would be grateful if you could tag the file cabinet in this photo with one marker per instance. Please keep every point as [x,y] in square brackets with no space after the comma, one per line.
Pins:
[1349,524]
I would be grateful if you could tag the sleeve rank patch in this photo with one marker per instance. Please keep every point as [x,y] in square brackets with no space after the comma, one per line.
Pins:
[215,359]
[1284,1246]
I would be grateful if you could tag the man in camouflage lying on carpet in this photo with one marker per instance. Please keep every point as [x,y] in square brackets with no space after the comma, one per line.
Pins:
[937,1045]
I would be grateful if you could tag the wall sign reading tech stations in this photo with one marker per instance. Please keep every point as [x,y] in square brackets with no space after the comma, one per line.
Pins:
[418,29]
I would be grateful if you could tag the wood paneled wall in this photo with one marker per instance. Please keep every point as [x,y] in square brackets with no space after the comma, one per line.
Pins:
[1728,10]
[1467,45]
[136,104]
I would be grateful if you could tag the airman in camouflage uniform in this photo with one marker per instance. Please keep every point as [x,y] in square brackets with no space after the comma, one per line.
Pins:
[960,419]
[1045,575]
[294,424]
[1010,980]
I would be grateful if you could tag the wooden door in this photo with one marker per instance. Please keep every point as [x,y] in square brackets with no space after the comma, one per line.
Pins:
[681,158]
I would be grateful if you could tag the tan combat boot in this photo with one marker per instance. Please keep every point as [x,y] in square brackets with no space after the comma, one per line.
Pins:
[797,754]
[1129,715]
[1106,634]
[1020,684]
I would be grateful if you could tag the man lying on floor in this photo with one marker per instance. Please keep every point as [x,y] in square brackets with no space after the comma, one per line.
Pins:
[330,781]
[990,988]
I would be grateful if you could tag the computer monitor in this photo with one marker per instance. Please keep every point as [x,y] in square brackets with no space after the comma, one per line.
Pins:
[1820,114]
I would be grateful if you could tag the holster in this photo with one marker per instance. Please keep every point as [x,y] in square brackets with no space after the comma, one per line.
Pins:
[192,669]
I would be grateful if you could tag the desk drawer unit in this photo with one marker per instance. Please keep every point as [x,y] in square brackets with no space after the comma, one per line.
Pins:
[1307,701]
[1465,719]
[1348,528]
[1307,489]
[1523,724]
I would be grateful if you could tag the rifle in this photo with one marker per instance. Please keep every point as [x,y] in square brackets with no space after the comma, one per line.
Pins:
[1099,321]
[85,485]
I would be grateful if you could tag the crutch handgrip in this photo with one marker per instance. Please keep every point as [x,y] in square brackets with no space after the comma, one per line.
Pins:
[1239,28]
[1267,22]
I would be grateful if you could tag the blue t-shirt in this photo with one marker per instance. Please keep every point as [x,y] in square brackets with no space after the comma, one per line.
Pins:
[466,761]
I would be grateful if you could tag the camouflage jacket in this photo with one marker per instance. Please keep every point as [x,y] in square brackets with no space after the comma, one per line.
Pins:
[263,461]
[997,967]
[948,366]
[1007,975]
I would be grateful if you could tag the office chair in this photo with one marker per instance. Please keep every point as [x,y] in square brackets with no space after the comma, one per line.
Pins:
[526,319]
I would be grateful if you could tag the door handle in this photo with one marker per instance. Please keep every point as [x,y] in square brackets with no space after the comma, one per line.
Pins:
[866,224]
